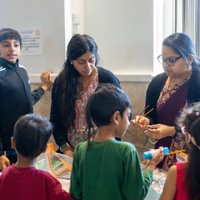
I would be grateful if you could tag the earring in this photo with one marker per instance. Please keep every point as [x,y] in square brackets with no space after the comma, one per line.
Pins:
[188,65]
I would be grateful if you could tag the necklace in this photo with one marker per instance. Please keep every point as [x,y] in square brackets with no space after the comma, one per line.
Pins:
[170,84]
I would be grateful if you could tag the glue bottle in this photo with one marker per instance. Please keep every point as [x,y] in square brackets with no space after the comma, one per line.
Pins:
[149,154]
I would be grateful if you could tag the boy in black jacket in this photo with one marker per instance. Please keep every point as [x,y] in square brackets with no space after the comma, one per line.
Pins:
[16,98]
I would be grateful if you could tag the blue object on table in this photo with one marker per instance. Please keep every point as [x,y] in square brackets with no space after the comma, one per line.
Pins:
[149,154]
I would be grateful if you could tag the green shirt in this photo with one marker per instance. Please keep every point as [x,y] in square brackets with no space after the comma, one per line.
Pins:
[108,170]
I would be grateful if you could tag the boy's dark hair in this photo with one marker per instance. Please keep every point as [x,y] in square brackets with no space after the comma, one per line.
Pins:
[31,134]
[8,33]
[101,105]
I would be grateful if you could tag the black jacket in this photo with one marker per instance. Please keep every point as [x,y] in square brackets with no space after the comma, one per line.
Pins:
[15,99]
[60,133]
[157,84]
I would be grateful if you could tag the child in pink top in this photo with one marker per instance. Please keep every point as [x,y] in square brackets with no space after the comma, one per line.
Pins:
[183,179]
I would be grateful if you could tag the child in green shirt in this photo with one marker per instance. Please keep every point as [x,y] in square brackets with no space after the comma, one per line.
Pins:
[103,168]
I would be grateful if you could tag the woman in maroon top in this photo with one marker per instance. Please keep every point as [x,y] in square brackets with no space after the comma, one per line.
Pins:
[171,91]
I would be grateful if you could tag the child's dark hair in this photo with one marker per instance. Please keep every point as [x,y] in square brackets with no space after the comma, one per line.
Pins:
[31,134]
[101,105]
[8,33]
[190,123]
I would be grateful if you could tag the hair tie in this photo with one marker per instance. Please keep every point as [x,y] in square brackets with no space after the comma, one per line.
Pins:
[197,113]
[183,129]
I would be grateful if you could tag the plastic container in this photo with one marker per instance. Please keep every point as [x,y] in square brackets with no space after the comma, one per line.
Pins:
[58,167]
[149,154]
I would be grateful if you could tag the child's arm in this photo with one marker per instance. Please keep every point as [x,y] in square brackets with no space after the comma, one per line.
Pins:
[136,183]
[75,185]
[148,172]
[169,189]
[55,191]
[37,95]
[156,159]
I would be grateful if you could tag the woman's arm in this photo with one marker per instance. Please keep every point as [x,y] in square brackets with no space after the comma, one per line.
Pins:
[159,131]
[169,189]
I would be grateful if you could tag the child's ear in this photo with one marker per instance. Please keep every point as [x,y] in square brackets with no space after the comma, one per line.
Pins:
[12,140]
[115,117]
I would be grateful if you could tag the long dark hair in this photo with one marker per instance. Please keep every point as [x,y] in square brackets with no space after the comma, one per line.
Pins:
[69,77]
[190,121]
[183,45]
[101,105]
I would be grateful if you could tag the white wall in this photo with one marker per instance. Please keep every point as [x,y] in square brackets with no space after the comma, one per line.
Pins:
[123,31]
[129,33]
[49,16]
[78,21]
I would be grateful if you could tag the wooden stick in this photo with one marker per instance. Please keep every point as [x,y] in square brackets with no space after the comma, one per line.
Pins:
[176,152]
[142,112]
[148,112]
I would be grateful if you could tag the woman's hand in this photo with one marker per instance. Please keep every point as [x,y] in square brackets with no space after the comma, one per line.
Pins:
[159,131]
[68,151]
[140,122]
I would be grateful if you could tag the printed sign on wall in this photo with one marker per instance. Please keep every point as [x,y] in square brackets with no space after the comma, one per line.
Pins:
[31,41]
